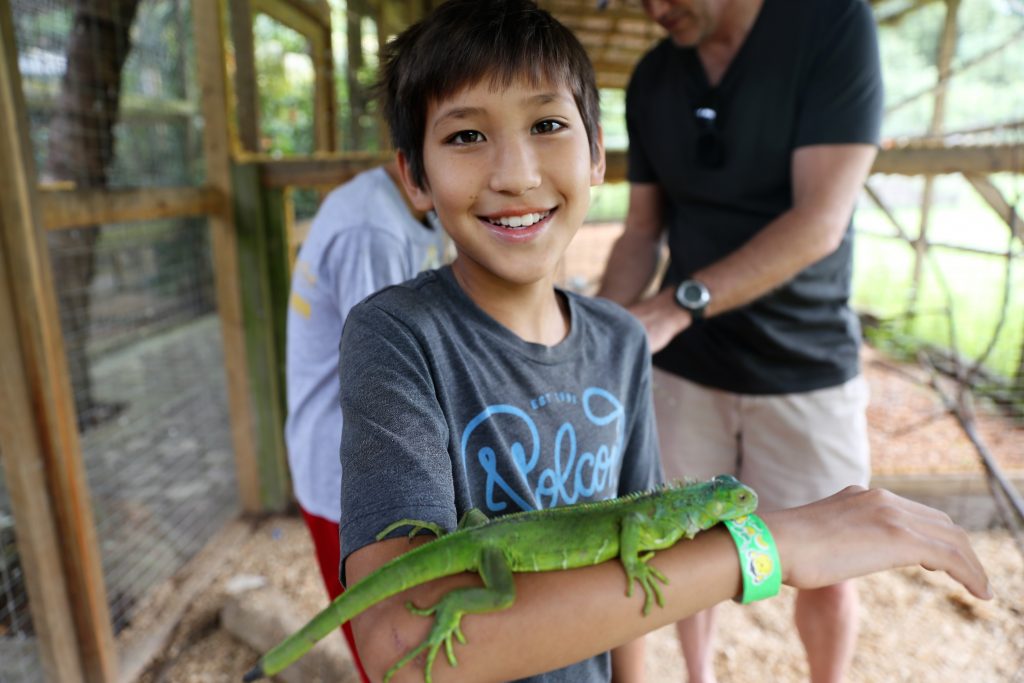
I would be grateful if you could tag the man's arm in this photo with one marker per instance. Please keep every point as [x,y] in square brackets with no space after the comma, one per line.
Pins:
[634,257]
[562,617]
[826,180]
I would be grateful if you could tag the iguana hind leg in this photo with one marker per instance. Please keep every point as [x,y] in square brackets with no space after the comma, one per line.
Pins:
[498,593]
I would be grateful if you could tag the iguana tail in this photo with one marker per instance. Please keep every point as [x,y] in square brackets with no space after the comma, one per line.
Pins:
[428,562]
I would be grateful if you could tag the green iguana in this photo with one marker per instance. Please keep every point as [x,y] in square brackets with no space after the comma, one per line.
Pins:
[630,528]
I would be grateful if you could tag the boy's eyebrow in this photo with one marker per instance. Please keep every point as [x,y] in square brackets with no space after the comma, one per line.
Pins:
[466,112]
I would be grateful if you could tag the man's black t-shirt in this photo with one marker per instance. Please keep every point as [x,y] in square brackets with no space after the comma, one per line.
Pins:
[807,74]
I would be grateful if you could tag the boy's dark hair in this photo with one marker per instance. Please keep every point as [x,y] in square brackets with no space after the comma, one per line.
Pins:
[464,41]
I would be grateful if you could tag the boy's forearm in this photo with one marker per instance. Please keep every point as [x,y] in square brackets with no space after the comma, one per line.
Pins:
[628,662]
[559,617]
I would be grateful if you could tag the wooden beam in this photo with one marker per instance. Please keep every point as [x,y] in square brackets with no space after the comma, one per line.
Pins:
[38,430]
[324,100]
[290,15]
[897,15]
[995,199]
[212,71]
[23,461]
[133,108]
[169,606]
[983,159]
[77,208]
[22,451]
[246,107]
[318,171]
[910,161]
[887,212]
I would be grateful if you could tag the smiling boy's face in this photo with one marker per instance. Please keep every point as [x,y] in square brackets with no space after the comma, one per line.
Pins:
[508,172]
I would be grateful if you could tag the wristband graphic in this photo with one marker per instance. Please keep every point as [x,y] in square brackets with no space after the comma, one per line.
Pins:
[759,558]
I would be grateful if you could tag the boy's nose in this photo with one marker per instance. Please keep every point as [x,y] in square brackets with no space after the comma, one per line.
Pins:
[515,170]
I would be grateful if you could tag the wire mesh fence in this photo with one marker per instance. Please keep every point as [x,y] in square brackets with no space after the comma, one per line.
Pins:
[19,653]
[113,103]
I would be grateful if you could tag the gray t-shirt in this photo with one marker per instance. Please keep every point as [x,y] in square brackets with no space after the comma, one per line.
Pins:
[807,74]
[445,410]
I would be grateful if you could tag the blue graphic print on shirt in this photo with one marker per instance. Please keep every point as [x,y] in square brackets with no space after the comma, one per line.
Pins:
[573,470]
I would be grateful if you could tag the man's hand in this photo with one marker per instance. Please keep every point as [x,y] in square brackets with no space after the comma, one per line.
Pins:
[662,317]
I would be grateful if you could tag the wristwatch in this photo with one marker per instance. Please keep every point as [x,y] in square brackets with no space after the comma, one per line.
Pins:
[694,296]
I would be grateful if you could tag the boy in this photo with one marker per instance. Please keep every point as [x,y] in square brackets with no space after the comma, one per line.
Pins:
[481,385]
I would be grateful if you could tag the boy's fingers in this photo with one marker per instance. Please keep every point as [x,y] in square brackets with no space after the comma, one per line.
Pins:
[872,530]
[952,546]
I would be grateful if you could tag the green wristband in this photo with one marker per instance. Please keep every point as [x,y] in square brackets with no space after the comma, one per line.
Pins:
[759,558]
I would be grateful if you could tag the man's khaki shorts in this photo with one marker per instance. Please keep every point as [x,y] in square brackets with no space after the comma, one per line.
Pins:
[790,448]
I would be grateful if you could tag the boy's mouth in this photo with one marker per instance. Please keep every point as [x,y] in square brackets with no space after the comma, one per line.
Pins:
[519,221]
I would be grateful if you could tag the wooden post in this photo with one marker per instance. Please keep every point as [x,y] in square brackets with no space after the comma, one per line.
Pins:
[246,100]
[325,103]
[263,270]
[209,41]
[22,453]
[947,49]
[38,431]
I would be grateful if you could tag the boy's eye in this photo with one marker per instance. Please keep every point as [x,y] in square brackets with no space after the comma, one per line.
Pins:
[465,137]
[547,126]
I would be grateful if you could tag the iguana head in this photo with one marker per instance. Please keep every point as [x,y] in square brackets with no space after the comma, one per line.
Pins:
[728,498]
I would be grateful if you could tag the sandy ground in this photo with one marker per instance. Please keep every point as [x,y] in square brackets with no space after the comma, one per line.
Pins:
[916,626]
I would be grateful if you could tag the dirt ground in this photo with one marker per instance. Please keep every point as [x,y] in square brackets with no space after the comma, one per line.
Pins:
[915,625]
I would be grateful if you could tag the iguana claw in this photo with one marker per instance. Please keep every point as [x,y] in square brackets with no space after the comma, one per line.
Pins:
[647,576]
[447,623]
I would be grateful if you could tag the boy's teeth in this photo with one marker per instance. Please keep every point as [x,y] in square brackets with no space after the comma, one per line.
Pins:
[521,221]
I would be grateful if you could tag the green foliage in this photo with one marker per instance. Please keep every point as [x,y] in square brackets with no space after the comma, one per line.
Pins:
[284,77]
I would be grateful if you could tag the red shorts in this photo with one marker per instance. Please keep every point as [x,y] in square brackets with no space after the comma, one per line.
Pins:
[327,541]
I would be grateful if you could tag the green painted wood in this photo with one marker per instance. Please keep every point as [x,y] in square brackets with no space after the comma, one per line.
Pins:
[261,254]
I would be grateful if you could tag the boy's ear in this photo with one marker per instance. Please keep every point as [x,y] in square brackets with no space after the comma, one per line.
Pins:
[597,163]
[418,196]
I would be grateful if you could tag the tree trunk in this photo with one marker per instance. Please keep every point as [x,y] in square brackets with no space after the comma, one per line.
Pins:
[81,147]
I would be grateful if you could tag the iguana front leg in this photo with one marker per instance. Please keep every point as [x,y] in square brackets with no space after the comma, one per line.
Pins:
[473,517]
[497,594]
[636,565]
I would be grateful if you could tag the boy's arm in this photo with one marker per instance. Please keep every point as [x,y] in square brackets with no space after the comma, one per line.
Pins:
[557,617]
[565,616]
[628,662]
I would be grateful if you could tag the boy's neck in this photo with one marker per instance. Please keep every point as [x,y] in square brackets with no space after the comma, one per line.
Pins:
[534,312]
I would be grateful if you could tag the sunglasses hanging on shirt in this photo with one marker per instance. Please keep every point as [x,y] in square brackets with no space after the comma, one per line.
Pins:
[710,147]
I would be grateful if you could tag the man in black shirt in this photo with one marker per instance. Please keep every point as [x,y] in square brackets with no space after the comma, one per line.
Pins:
[752,129]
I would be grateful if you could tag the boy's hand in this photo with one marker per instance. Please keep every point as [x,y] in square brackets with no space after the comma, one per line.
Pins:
[860,531]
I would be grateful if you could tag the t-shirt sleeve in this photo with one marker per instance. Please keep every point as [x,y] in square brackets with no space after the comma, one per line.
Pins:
[639,168]
[394,441]
[641,464]
[362,261]
[843,102]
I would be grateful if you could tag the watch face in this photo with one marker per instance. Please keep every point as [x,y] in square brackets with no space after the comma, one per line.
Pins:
[693,295]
